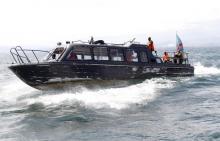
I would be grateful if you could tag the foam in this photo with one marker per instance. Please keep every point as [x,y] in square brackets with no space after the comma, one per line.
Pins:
[11,90]
[202,70]
[117,98]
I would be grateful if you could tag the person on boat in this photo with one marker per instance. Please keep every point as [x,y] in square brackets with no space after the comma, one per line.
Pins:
[178,56]
[150,45]
[166,57]
[72,56]
[54,56]
[91,40]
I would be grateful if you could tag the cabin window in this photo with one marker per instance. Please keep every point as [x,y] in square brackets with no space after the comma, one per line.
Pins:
[116,55]
[131,55]
[158,60]
[143,56]
[80,53]
[100,53]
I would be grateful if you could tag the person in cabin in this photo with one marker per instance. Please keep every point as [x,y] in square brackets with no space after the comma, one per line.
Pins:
[54,56]
[150,45]
[166,57]
[72,56]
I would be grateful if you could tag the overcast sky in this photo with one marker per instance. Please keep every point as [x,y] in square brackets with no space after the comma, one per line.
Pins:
[42,23]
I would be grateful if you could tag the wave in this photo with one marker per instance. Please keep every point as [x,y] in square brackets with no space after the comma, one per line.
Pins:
[203,70]
[115,98]
[13,89]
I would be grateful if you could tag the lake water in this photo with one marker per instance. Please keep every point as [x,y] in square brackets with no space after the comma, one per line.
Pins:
[180,108]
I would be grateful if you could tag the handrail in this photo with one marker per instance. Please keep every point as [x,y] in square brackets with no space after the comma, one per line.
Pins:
[24,53]
[12,54]
[79,41]
[122,44]
[184,58]
[15,54]
[35,56]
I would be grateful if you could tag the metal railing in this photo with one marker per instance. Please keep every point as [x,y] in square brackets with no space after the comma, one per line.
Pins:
[107,43]
[183,59]
[20,55]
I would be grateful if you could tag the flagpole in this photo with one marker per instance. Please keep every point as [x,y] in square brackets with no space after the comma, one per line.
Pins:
[176,36]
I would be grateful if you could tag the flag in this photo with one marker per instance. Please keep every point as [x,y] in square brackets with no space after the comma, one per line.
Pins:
[179,44]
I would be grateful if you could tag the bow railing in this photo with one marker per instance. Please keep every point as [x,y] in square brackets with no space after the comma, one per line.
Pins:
[25,56]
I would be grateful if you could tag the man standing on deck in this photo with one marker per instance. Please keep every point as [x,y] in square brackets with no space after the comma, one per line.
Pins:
[150,45]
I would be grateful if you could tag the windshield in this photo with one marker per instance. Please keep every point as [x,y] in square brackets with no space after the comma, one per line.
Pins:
[54,54]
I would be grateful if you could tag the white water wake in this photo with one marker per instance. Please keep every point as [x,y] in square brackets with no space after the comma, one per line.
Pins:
[203,70]
[13,89]
[16,91]
[116,98]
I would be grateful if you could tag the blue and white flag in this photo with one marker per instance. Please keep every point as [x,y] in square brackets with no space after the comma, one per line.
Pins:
[179,44]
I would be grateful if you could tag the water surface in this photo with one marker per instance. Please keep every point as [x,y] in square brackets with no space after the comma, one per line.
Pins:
[180,108]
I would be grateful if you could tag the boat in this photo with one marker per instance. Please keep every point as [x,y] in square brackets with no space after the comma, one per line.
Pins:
[81,62]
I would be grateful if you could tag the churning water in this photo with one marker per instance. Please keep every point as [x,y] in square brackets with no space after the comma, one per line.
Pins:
[181,108]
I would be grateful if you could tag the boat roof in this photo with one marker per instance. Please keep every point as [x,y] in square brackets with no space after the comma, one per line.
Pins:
[109,45]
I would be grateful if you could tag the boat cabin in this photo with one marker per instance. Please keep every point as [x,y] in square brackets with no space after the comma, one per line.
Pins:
[135,53]
[98,53]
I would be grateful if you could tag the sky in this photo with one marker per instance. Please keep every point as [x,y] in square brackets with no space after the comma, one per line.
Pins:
[42,23]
